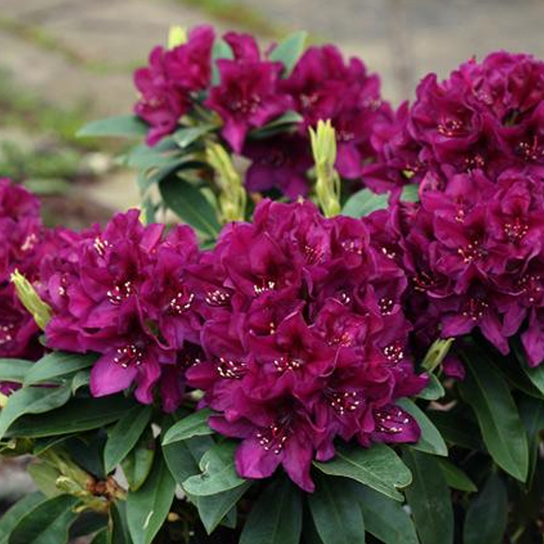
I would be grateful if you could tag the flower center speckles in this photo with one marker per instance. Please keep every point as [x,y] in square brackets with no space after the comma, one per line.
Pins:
[460,215]
[263,286]
[515,230]
[344,402]
[273,438]
[353,245]
[532,286]
[181,302]
[119,293]
[423,282]
[475,162]
[231,370]
[6,334]
[345,136]
[471,252]
[246,106]
[100,246]
[530,151]
[344,298]
[308,100]
[311,254]
[29,243]
[287,363]
[390,421]
[128,356]
[450,128]
[386,306]
[475,308]
[388,252]
[394,352]
[217,298]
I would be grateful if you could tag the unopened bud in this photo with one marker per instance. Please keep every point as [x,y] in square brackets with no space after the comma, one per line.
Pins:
[327,187]
[176,36]
[233,196]
[437,353]
[40,311]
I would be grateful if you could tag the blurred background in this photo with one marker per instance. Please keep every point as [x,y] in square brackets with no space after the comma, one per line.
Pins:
[63,62]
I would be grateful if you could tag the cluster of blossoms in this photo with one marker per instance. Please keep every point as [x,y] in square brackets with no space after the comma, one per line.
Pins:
[24,242]
[121,292]
[304,339]
[486,117]
[252,91]
[475,254]
[473,246]
[292,325]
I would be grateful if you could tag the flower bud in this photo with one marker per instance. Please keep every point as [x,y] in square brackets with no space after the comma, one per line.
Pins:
[437,353]
[233,196]
[176,36]
[40,311]
[328,181]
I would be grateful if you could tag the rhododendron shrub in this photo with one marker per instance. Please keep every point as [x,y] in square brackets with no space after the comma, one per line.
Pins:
[341,342]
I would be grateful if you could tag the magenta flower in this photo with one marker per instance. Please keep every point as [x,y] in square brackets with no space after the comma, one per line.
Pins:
[122,293]
[281,162]
[304,339]
[324,87]
[247,97]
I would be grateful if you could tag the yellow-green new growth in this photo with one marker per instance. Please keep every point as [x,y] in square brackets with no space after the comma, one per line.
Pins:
[232,196]
[176,36]
[437,353]
[40,311]
[328,181]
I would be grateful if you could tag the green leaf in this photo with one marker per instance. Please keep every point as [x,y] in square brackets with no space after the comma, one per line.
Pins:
[429,499]
[143,157]
[47,523]
[101,537]
[213,509]
[12,517]
[433,391]
[336,519]
[81,379]
[148,508]
[138,463]
[180,461]
[386,519]
[379,467]
[431,440]
[118,526]
[188,202]
[14,370]
[218,472]
[186,136]
[502,430]
[289,51]
[532,414]
[77,416]
[45,478]
[364,202]
[456,478]
[194,425]
[276,516]
[456,429]
[122,125]
[534,374]
[276,125]
[124,436]
[31,400]
[58,365]
[486,518]
[410,193]
[221,50]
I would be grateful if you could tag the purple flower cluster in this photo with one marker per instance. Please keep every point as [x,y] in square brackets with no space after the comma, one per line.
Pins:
[122,292]
[252,91]
[304,339]
[21,248]
[486,117]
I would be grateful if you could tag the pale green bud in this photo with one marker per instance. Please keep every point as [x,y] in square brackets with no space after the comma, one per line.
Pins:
[232,196]
[176,36]
[327,187]
[437,353]
[40,311]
